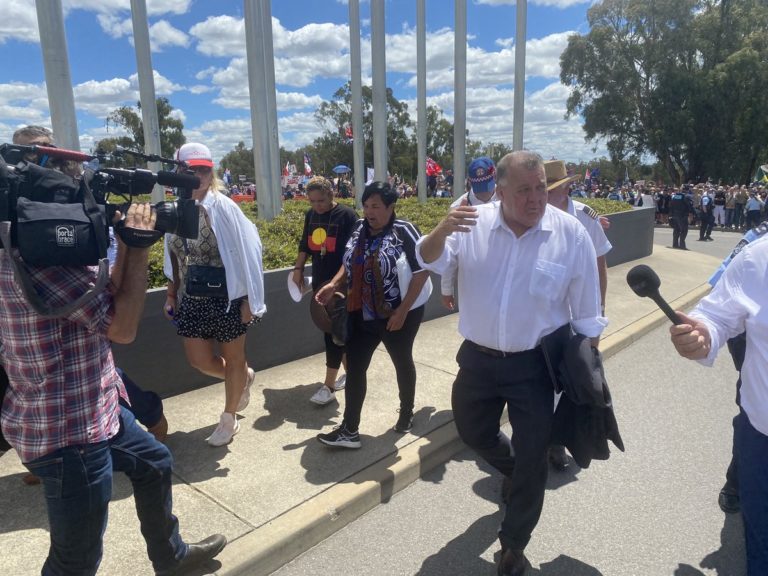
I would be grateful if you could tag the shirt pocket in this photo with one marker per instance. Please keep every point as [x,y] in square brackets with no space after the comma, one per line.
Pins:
[547,281]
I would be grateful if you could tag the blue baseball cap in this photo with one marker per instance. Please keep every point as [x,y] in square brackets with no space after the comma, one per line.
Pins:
[482,175]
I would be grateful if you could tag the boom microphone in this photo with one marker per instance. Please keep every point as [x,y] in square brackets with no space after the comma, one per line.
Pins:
[62,153]
[178,180]
[645,283]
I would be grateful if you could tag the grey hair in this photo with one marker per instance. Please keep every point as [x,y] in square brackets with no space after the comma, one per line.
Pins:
[525,158]
[32,132]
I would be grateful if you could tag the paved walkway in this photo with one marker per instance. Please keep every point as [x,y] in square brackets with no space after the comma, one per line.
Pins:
[275,491]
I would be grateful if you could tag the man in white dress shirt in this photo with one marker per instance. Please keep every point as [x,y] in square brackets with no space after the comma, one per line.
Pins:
[738,302]
[558,184]
[535,266]
[482,179]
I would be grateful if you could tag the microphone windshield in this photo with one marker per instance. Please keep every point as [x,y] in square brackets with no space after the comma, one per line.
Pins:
[643,281]
[179,180]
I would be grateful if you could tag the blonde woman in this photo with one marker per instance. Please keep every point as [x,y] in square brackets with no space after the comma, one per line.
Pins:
[214,326]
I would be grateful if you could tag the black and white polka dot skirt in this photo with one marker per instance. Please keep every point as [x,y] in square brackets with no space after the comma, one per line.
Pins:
[208,318]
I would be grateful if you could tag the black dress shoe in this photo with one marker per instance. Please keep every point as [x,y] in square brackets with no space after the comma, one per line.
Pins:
[197,555]
[728,501]
[558,458]
[513,563]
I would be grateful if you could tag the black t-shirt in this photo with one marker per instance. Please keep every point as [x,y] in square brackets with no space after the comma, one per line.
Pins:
[324,238]
[719,198]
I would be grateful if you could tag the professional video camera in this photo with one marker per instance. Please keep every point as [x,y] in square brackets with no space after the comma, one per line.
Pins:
[56,220]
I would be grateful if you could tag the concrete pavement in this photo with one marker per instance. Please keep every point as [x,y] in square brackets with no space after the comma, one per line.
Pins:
[651,511]
[275,491]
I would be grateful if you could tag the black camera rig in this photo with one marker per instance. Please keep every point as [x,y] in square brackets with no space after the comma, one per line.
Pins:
[54,219]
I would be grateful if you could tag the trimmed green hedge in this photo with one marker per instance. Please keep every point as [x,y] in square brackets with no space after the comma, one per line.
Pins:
[280,237]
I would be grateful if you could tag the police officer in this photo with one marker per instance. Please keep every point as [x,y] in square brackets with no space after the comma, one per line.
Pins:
[680,205]
[707,217]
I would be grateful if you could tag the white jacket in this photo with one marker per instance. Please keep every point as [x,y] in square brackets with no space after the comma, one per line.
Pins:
[239,247]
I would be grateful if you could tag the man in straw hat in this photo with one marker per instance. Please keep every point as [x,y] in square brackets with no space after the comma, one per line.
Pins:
[558,184]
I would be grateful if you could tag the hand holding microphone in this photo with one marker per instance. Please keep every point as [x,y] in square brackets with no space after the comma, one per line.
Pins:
[690,337]
[645,283]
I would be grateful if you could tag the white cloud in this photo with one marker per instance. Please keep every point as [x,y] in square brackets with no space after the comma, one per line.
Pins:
[154,7]
[200,89]
[114,26]
[23,103]
[220,36]
[490,118]
[19,21]
[99,98]
[163,86]
[162,35]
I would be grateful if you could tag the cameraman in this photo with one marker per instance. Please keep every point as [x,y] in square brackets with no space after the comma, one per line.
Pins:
[145,404]
[61,411]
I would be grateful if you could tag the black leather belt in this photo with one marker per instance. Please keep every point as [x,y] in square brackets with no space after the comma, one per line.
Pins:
[500,353]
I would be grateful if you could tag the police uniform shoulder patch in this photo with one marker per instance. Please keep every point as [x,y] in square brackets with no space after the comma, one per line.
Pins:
[591,212]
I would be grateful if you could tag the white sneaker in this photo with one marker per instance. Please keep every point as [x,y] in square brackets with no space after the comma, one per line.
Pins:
[227,428]
[323,396]
[341,382]
[245,397]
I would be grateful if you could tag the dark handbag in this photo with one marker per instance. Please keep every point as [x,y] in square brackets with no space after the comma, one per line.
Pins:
[337,310]
[210,281]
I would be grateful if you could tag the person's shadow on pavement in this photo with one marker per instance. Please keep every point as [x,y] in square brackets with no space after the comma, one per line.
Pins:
[728,560]
[283,405]
[190,462]
[329,465]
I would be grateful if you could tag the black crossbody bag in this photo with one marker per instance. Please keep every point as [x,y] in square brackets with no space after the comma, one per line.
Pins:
[207,281]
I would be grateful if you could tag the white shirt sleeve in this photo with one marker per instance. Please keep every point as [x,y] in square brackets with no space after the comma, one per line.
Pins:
[725,309]
[447,261]
[583,298]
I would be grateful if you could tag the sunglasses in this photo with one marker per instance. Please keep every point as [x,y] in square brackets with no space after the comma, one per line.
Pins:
[201,169]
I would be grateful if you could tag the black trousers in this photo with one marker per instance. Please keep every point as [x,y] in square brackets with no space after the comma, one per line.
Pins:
[705,229]
[333,353]
[679,230]
[364,337]
[484,386]
[753,218]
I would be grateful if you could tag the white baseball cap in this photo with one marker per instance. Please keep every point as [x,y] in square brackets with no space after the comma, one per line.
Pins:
[195,154]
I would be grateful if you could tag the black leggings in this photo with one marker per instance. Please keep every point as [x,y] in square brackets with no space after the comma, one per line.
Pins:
[364,337]
[333,353]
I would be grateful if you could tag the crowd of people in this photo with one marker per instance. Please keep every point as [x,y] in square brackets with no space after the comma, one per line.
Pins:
[518,236]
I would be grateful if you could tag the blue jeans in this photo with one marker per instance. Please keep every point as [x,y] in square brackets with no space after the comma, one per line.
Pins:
[753,493]
[77,481]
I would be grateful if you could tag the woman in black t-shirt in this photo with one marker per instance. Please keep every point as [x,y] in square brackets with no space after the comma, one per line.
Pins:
[327,228]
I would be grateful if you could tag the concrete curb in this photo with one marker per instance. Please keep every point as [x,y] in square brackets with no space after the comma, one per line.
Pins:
[279,541]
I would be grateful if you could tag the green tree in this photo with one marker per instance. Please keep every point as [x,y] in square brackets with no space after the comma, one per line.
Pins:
[239,161]
[670,78]
[129,118]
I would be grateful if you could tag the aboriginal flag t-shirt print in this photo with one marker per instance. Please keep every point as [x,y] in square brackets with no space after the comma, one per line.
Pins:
[322,234]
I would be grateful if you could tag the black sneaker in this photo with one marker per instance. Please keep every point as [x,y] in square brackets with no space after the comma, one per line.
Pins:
[341,437]
[404,421]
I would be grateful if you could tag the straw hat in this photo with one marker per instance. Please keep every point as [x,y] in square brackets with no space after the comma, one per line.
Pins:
[557,175]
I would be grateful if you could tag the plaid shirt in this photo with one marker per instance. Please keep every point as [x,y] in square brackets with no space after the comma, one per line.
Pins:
[64,389]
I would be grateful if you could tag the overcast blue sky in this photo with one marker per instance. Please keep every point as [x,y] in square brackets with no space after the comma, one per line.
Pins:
[198,49]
